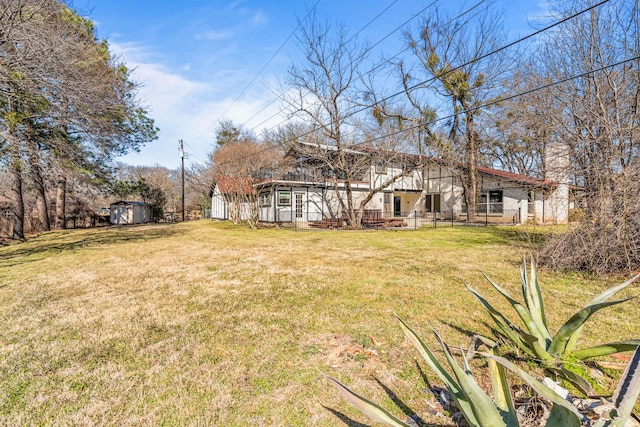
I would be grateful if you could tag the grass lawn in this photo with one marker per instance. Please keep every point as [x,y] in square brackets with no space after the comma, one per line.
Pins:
[206,323]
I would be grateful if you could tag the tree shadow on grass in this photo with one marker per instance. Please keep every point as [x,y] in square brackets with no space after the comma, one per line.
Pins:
[54,243]
[412,418]
[401,405]
[464,331]
[345,419]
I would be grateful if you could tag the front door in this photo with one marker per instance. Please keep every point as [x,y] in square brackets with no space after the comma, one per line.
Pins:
[397,206]
[299,207]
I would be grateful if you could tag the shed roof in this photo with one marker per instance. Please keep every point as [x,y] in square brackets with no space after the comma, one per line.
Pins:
[129,202]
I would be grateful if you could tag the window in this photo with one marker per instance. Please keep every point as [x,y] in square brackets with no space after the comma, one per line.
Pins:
[333,174]
[265,199]
[482,203]
[381,168]
[387,198]
[494,199]
[531,199]
[284,198]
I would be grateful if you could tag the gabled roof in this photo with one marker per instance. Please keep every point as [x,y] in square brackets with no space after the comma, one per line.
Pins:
[500,174]
[509,176]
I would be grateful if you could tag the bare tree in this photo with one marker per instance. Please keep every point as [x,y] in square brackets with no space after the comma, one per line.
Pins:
[600,124]
[519,130]
[237,167]
[448,51]
[325,93]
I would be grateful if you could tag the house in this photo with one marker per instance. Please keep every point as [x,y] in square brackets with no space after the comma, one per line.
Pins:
[405,186]
[128,212]
[232,197]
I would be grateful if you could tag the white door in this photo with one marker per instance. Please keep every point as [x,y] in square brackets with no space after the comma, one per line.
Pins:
[300,211]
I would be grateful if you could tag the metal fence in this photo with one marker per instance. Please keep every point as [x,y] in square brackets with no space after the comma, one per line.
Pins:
[6,225]
[82,221]
[412,220]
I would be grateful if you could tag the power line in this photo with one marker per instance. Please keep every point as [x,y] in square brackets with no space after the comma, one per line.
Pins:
[270,59]
[350,39]
[265,65]
[415,15]
[506,98]
[493,52]
[485,105]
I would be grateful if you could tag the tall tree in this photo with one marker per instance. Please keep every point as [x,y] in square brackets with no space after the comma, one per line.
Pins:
[326,89]
[448,51]
[227,131]
[62,98]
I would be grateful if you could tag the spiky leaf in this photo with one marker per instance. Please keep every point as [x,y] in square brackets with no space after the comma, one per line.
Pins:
[576,380]
[533,296]
[543,334]
[539,387]
[483,408]
[606,349]
[458,394]
[613,290]
[508,329]
[374,412]
[502,392]
[573,325]
[561,416]
[627,391]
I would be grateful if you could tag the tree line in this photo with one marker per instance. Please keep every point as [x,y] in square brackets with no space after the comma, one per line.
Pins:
[68,107]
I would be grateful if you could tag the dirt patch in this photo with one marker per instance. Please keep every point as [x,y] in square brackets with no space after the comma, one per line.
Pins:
[342,351]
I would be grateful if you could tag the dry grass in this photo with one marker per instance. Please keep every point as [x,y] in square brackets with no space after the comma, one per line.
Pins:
[205,323]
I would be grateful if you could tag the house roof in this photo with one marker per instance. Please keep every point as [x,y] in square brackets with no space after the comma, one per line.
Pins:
[235,185]
[509,176]
[516,177]
[500,174]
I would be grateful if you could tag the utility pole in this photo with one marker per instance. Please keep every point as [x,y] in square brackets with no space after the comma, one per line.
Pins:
[182,159]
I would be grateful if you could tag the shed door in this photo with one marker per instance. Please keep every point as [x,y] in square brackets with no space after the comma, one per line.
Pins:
[119,214]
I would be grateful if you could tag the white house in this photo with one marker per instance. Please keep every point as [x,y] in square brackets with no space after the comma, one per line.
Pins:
[431,191]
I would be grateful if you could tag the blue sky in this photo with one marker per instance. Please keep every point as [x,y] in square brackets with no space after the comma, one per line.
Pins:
[194,58]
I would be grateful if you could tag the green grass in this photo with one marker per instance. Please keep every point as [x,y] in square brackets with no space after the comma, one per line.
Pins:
[207,323]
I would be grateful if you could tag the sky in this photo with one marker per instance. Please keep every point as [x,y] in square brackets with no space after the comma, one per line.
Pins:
[200,61]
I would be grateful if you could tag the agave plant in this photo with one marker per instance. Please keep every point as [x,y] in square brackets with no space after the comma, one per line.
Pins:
[475,405]
[478,408]
[536,339]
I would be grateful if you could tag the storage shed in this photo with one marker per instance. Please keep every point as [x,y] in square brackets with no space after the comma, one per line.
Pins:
[127,212]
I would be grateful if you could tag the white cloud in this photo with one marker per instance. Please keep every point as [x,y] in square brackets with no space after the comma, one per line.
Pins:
[184,108]
[214,35]
[259,18]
